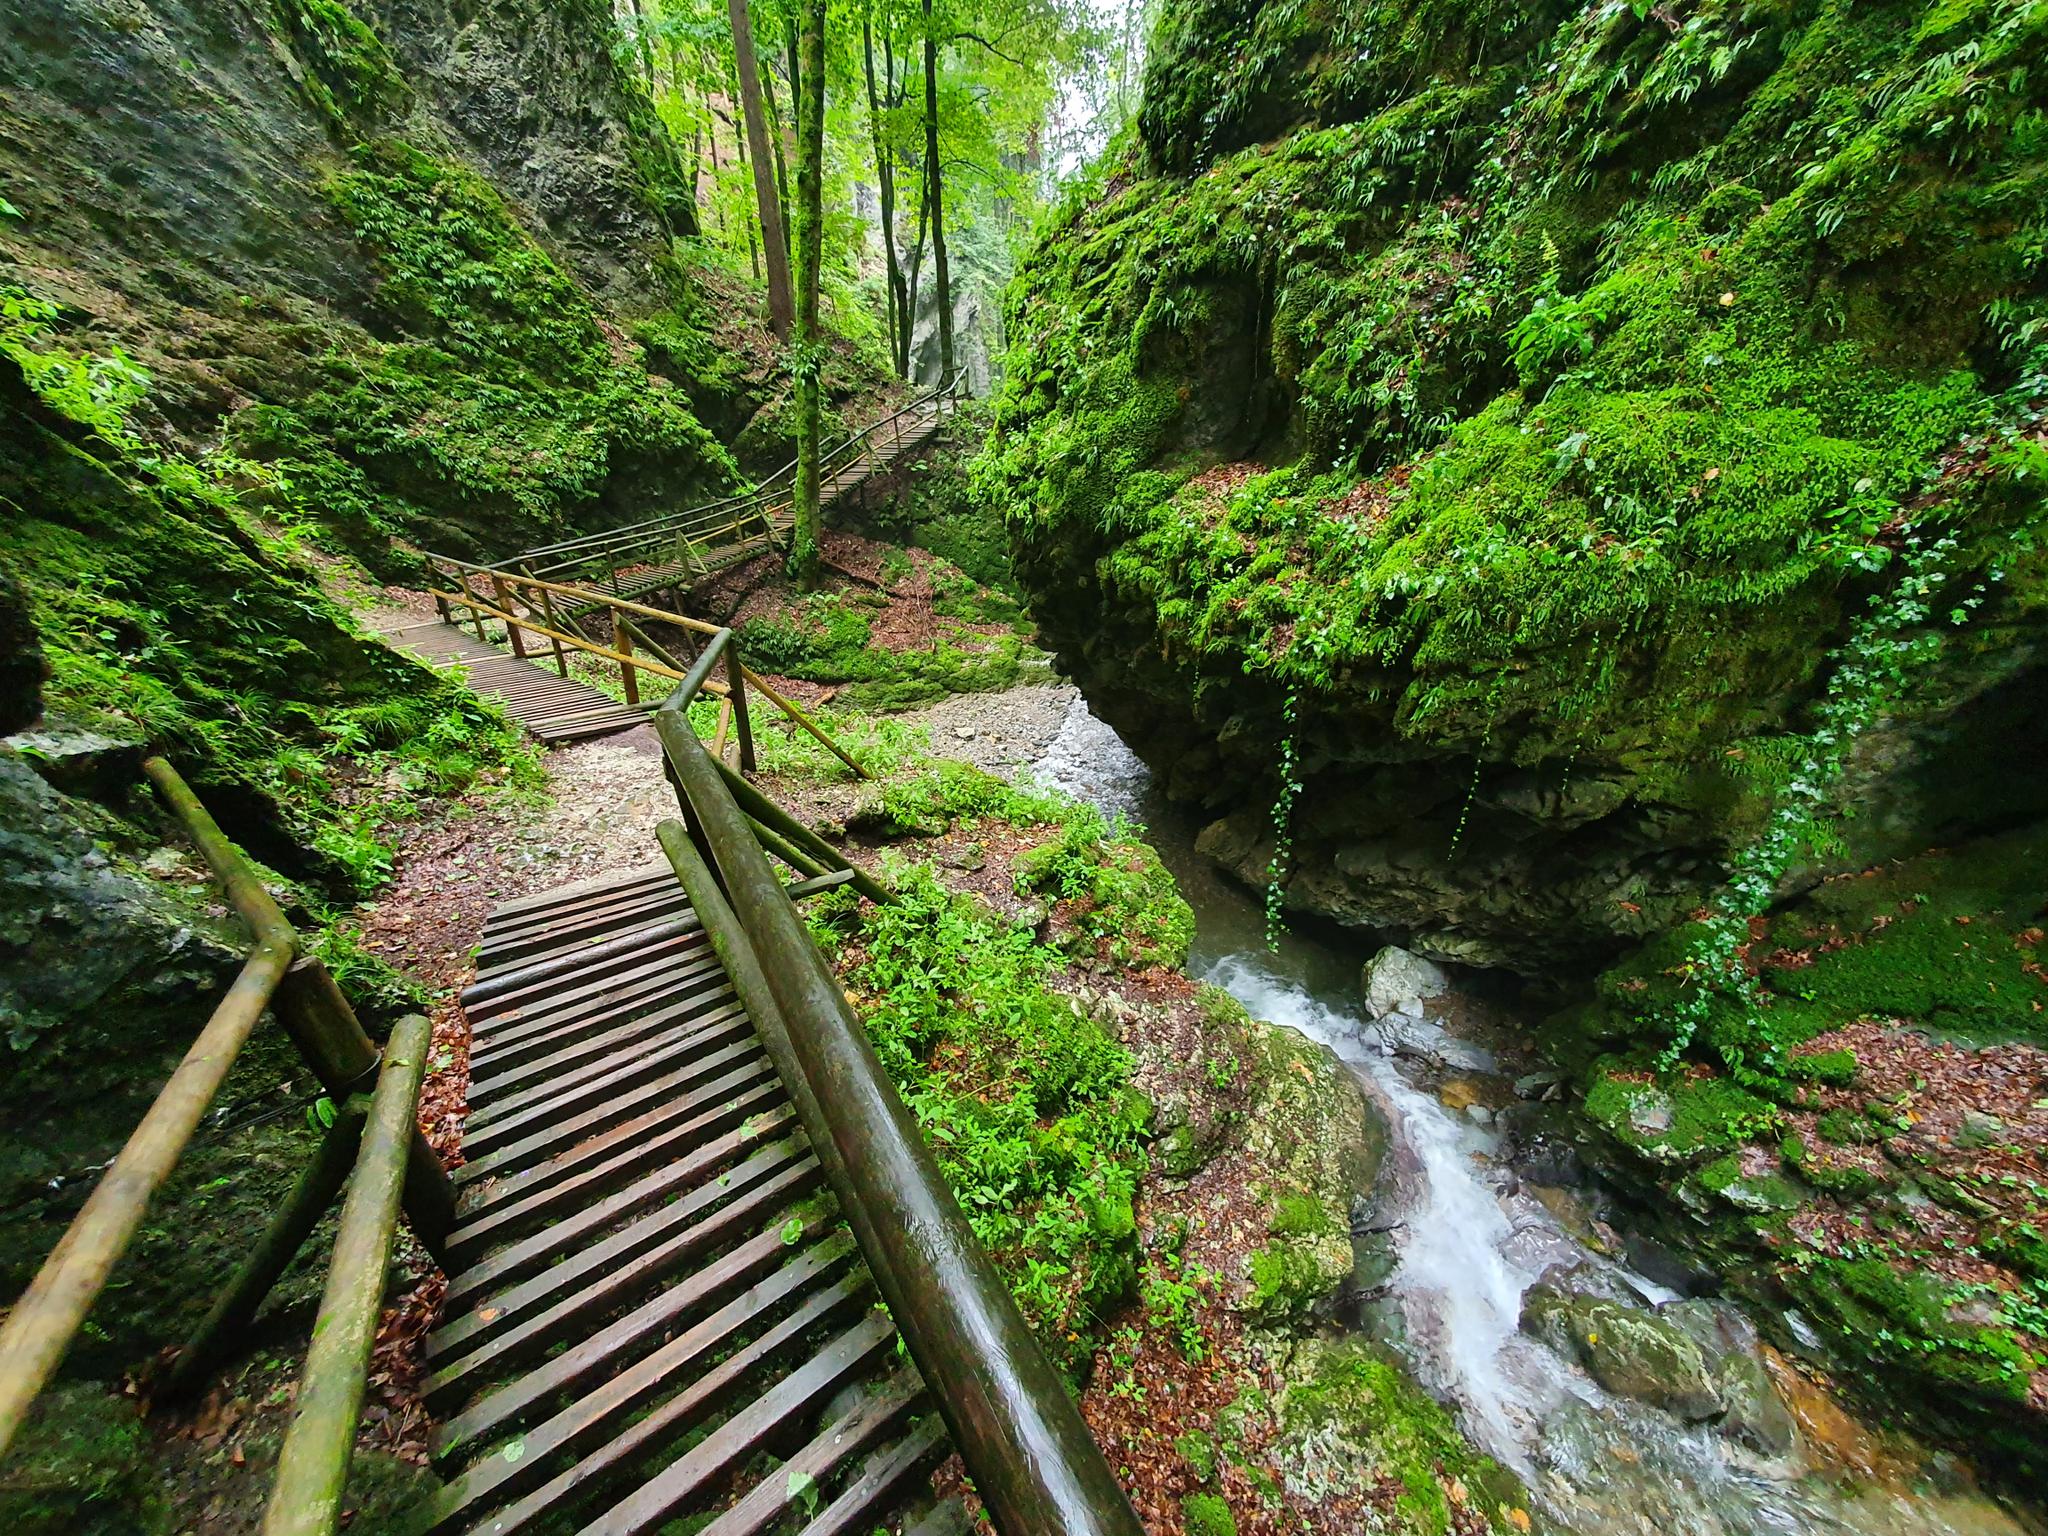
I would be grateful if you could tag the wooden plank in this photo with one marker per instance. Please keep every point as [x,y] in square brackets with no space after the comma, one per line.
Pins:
[871,1419]
[710,1099]
[538,1203]
[602,1089]
[546,1141]
[798,1393]
[555,999]
[537,1313]
[665,1182]
[864,1503]
[820,1299]
[588,1051]
[758,1261]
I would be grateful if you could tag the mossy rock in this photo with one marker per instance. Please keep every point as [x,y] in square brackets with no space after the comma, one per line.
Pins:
[1316,1142]
[1352,1421]
[83,1467]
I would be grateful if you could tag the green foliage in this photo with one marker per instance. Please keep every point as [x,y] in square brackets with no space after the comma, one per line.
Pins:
[1027,1101]
[827,638]
[1205,1514]
[1112,888]
[165,609]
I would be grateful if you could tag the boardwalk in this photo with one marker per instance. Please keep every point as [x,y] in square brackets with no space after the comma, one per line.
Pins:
[553,708]
[649,1286]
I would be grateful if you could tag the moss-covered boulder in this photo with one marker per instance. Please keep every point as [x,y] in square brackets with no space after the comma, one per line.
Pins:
[1511,409]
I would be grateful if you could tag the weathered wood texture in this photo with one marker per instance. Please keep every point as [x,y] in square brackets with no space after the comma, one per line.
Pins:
[654,1310]
[552,708]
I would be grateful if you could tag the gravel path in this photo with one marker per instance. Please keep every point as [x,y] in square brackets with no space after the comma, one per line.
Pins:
[1001,732]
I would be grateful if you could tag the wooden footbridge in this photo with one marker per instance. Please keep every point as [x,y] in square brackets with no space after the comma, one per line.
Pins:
[681,549]
[701,1265]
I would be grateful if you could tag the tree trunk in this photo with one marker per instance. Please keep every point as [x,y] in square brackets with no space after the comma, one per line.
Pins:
[936,195]
[775,249]
[885,188]
[810,249]
[910,287]
[646,46]
[776,139]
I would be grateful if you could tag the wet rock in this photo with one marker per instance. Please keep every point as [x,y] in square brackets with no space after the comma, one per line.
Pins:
[1395,979]
[1413,1037]
[22,667]
[1570,1213]
[1630,1351]
[1539,1085]
[1649,1113]
[78,760]
[1755,1416]
[1660,1264]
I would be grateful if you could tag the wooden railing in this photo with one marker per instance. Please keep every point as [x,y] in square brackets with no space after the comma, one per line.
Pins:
[298,989]
[1032,1459]
[691,536]
[636,653]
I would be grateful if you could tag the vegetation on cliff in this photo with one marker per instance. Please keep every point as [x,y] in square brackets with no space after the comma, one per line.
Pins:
[1538,392]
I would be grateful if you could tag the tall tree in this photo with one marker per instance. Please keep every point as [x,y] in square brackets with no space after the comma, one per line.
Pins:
[775,248]
[810,248]
[935,195]
[885,182]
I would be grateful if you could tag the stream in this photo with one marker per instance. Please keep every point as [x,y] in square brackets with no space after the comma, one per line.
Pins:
[1474,1236]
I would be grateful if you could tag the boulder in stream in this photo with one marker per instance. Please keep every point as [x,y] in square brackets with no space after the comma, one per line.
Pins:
[1397,981]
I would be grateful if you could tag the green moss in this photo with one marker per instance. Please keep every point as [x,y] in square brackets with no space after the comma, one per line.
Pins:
[346,71]
[81,1468]
[1903,1318]
[1204,1514]
[1386,1430]
[1594,356]
[514,405]
[1198,1450]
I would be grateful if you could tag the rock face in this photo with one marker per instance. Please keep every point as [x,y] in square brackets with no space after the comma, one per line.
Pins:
[1698,1360]
[393,246]
[1434,403]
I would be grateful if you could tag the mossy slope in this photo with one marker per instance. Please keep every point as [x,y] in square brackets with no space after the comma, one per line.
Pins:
[1534,392]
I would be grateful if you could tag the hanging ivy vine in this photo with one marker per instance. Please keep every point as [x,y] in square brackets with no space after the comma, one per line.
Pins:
[1283,826]
[1897,632]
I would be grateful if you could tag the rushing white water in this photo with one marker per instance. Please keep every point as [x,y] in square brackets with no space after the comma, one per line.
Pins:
[1472,1241]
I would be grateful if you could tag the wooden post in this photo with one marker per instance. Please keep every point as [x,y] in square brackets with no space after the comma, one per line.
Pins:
[736,691]
[312,1469]
[215,1338]
[724,725]
[623,633]
[325,1029]
[511,629]
[547,607]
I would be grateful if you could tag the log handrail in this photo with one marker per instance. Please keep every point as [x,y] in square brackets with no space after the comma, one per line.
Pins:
[733,509]
[740,677]
[42,1324]
[312,1466]
[1033,1461]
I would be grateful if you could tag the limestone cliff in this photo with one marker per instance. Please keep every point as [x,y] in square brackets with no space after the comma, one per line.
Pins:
[1534,396]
